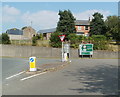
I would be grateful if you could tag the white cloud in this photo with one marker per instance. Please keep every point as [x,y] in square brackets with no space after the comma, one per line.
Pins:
[10,14]
[42,19]
[10,10]
[86,14]
[48,19]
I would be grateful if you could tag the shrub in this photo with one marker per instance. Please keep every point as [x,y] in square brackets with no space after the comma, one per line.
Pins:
[75,40]
[5,38]
[55,40]
[39,36]
[34,40]
[100,42]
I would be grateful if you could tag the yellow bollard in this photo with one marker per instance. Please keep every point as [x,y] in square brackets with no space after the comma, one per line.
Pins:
[32,61]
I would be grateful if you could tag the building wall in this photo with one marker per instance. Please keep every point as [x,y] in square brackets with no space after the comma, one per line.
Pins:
[28,51]
[48,36]
[82,29]
[15,37]
[28,33]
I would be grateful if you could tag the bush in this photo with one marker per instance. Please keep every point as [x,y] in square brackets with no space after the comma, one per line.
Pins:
[39,36]
[100,42]
[34,40]
[75,40]
[55,40]
[5,38]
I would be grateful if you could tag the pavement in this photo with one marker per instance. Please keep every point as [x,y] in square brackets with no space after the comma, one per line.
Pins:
[44,68]
[49,67]
[79,77]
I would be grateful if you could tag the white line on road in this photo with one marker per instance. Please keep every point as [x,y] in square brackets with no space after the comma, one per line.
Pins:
[32,76]
[15,75]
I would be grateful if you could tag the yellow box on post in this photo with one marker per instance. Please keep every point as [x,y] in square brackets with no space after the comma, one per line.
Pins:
[32,61]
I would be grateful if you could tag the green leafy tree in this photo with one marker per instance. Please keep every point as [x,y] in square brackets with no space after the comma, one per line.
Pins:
[34,40]
[41,36]
[55,40]
[66,22]
[97,25]
[5,38]
[0,39]
[24,27]
[113,23]
[100,42]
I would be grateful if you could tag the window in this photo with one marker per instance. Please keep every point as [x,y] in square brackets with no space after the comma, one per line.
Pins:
[80,33]
[79,27]
[86,27]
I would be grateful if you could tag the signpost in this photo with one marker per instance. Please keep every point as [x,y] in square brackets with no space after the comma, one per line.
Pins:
[86,49]
[67,50]
[62,39]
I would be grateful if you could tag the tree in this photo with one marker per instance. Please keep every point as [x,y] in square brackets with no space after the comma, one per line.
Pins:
[112,23]
[100,42]
[97,25]
[24,27]
[66,22]
[34,40]
[55,40]
[0,39]
[5,38]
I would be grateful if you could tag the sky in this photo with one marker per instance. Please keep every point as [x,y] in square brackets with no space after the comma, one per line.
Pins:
[44,15]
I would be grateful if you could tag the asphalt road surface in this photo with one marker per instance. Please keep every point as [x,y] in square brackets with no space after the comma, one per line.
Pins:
[80,77]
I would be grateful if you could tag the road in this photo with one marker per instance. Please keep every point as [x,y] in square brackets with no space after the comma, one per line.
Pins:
[80,77]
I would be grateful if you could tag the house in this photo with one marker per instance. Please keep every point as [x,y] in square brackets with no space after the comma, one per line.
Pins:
[25,34]
[47,33]
[28,32]
[82,27]
[15,34]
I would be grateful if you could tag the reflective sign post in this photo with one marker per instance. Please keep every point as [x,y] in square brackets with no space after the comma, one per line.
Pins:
[62,53]
[62,39]
[32,61]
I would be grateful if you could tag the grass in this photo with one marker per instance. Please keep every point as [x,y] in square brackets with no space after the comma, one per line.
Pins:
[41,43]
[113,46]
[21,42]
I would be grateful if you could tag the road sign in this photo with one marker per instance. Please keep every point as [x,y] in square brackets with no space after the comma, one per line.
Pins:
[67,48]
[86,49]
[62,37]
[32,61]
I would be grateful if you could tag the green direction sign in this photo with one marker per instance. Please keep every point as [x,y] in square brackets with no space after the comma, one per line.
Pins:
[86,49]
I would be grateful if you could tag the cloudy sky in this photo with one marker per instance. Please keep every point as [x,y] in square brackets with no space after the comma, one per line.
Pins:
[44,15]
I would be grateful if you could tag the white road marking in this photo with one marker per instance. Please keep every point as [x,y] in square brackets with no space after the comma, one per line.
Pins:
[32,76]
[15,75]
